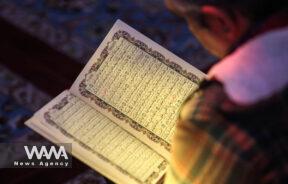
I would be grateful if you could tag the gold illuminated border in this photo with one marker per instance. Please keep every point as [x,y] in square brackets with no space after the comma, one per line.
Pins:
[64,102]
[84,92]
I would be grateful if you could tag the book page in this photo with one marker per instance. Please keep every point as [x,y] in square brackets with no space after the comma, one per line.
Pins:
[98,141]
[138,84]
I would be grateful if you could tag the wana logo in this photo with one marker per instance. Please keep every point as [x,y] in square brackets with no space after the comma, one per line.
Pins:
[44,153]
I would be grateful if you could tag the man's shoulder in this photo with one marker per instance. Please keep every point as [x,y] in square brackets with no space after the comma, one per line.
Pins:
[210,106]
[211,94]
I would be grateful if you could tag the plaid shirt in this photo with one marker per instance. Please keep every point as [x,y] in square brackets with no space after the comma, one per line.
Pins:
[219,142]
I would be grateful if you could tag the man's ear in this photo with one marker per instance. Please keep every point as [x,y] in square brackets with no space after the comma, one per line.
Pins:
[219,23]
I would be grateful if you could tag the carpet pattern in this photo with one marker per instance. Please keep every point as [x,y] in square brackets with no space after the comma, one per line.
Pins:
[18,100]
[77,27]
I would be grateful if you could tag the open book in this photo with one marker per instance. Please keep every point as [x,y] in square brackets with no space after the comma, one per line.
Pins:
[121,111]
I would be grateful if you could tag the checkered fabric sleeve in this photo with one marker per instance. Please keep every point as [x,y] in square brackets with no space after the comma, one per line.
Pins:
[210,147]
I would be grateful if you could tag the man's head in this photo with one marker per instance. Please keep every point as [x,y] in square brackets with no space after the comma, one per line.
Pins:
[219,24]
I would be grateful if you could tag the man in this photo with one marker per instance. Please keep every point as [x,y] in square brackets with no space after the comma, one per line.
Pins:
[234,128]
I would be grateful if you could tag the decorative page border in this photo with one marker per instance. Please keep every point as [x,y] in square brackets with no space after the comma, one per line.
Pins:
[98,101]
[62,104]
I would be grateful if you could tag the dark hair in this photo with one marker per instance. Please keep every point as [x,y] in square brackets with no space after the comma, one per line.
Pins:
[255,10]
